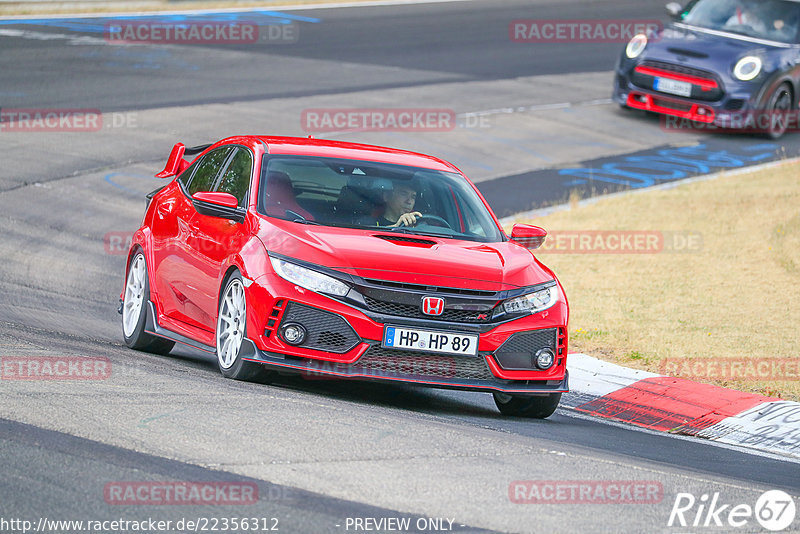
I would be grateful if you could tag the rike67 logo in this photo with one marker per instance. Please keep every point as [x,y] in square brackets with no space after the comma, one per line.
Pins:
[774,511]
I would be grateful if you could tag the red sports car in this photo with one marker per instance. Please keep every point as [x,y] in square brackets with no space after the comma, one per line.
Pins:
[344,260]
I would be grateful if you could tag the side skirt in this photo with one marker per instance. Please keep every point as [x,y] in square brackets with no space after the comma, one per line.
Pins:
[151,326]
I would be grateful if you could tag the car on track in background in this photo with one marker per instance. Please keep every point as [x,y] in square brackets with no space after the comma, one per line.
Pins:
[727,64]
[270,253]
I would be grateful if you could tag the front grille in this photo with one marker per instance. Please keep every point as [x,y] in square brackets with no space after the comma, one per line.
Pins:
[431,289]
[404,363]
[518,350]
[671,104]
[681,69]
[645,81]
[408,310]
[325,330]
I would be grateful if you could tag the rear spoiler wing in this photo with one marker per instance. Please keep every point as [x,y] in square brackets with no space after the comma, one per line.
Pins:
[175,163]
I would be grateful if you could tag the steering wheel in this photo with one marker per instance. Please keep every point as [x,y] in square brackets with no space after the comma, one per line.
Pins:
[433,220]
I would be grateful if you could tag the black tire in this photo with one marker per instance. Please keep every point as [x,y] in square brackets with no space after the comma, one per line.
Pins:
[780,101]
[138,338]
[238,369]
[539,407]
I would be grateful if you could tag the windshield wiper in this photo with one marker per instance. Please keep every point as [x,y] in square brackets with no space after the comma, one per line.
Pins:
[300,219]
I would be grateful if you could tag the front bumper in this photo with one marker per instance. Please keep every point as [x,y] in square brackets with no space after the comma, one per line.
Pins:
[425,370]
[720,102]
[344,342]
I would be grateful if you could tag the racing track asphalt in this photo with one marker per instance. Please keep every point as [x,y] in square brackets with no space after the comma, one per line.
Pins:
[335,449]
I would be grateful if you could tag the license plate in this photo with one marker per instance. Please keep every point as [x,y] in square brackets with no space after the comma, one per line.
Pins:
[395,337]
[673,87]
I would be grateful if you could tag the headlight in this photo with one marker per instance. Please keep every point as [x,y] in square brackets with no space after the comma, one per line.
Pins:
[747,68]
[309,279]
[533,302]
[636,45]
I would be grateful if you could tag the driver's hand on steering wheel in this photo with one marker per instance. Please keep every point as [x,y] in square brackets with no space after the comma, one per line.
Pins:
[407,219]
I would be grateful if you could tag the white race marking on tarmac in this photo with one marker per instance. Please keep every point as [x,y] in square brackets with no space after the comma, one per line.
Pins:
[285,7]
[73,39]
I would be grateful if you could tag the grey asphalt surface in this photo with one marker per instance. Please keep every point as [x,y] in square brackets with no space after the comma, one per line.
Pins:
[320,451]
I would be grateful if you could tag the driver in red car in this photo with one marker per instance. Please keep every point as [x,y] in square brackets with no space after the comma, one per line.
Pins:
[400,205]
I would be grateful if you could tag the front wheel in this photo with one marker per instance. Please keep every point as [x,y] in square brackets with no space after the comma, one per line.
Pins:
[539,407]
[134,311]
[779,106]
[231,332]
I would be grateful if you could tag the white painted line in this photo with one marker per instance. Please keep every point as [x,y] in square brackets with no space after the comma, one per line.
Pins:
[538,107]
[73,39]
[284,7]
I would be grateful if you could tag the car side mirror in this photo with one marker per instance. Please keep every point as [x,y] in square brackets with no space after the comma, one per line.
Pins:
[528,236]
[221,205]
[674,9]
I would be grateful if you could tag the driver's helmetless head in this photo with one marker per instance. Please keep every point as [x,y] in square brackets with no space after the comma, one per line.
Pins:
[401,198]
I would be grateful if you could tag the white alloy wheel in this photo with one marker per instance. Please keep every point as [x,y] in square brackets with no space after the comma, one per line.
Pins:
[134,295]
[231,323]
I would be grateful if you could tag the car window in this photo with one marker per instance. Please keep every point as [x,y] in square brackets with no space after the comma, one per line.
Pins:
[777,20]
[365,194]
[186,176]
[236,178]
[207,170]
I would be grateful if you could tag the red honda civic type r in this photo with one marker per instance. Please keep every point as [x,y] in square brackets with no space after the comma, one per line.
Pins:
[338,259]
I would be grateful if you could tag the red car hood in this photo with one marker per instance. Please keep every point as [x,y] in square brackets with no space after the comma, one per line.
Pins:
[440,262]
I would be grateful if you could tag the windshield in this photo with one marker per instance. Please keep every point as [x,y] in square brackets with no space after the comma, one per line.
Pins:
[776,20]
[362,194]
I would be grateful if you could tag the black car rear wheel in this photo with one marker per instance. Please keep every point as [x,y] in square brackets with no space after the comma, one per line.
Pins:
[538,407]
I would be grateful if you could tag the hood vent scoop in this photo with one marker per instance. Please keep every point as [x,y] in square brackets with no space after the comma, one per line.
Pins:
[688,53]
[406,239]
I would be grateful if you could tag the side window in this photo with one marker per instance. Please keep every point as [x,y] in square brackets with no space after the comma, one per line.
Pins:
[207,170]
[187,173]
[236,178]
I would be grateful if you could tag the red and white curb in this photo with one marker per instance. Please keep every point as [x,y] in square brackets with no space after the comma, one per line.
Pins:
[681,406]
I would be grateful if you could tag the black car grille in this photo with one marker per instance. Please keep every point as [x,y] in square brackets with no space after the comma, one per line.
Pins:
[518,350]
[430,289]
[408,310]
[645,81]
[325,330]
[404,363]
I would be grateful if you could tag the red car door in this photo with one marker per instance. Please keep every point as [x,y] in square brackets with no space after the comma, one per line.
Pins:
[172,236]
[212,240]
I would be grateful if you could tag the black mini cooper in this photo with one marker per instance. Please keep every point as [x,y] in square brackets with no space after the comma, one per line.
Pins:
[730,64]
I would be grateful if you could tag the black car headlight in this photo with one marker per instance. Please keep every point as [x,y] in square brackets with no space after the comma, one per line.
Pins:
[533,302]
[747,68]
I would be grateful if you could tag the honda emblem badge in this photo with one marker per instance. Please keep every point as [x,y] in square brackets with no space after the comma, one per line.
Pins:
[432,305]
